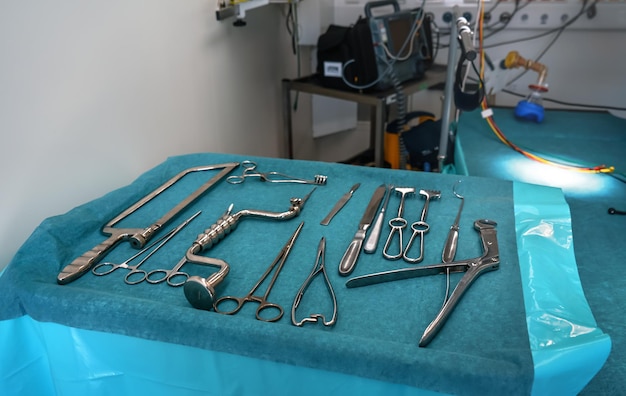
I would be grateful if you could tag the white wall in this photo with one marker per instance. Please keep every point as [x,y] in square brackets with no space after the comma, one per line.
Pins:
[94,93]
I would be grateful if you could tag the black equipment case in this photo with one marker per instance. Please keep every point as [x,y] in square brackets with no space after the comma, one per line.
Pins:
[377,52]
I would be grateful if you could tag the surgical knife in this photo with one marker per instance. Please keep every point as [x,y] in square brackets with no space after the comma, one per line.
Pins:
[348,261]
[372,240]
[340,204]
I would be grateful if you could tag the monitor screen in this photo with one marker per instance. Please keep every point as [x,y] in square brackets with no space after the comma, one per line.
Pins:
[399,29]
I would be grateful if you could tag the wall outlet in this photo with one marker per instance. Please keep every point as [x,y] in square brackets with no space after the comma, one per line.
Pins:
[544,14]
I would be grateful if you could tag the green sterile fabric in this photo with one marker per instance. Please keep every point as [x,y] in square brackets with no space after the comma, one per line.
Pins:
[482,349]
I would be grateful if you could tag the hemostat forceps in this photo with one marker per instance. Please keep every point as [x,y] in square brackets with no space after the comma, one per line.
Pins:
[131,278]
[249,170]
[473,268]
[139,237]
[262,300]
[318,268]
[200,292]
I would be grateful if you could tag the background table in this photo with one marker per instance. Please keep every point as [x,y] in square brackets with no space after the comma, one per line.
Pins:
[377,101]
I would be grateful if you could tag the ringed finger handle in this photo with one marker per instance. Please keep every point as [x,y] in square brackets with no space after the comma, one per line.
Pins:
[396,224]
[269,307]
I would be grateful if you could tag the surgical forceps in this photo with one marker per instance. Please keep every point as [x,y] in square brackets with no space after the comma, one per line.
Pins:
[130,278]
[138,237]
[249,170]
[473,268]
[420,228]
[318,268]
[262,300]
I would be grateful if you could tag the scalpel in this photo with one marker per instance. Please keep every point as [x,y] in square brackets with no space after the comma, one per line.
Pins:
[348,261]
[340,204]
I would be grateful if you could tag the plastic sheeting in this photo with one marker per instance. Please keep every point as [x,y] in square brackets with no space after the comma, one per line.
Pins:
[567,346]
[48,359]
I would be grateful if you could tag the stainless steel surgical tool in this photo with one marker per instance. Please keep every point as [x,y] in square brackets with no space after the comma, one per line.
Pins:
[452,241]
[262,300]
[139,237]
[318,268]
[449,248]
[372,240]
[420,228]
[131,278]
[169,275]
[340,204]
[473,268]
[397,224]
[348,261]
[200,292]
[249,170]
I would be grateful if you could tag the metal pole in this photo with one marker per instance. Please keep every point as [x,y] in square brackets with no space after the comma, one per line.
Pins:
[448,95]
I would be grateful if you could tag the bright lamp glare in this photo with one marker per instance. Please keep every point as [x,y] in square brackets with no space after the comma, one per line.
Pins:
[569,181]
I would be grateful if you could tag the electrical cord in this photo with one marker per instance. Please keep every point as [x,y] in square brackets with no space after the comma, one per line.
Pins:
[494,26]
[401,114]
[435,29]
[564,103]
[558,29]
[488,116]
[392,58]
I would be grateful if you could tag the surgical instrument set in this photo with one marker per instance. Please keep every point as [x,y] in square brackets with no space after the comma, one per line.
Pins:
[200,292]
[348,261]
[473,268]
[264,305]
[318,268]
[249,170]
[131,278]
[138,237]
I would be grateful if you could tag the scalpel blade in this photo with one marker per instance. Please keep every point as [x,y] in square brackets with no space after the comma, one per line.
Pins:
[340,204]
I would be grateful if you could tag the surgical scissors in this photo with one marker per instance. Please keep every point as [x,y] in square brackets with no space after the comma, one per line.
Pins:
[130,278]
[318,268]
[249,170]
[262,300]
[168,275]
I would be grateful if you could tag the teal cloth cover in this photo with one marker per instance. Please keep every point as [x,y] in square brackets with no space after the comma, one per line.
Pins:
[482,349]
